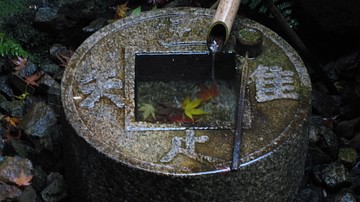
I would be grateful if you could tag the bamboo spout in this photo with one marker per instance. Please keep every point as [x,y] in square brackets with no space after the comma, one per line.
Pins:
[221,24]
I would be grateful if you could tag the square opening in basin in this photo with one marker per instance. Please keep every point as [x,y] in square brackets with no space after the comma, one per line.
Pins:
[186,88]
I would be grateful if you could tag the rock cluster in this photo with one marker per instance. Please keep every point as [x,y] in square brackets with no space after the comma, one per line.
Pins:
[333,165]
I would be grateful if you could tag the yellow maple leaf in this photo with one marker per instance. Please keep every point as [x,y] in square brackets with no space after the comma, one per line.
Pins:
[190,107]
[22,179]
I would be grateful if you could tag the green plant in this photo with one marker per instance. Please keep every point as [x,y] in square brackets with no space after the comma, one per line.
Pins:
[284,6]
[9,47]
[11,7]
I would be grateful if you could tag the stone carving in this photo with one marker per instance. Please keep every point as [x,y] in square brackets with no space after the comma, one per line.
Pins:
[273,83]
[180,27]
[182,32]
[189,150]
[99,86]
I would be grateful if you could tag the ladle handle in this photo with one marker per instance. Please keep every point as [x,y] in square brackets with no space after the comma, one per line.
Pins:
[223,20]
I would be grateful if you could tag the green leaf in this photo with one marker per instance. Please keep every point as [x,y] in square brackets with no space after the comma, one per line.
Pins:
[154,8]
[136,11]
[147,110]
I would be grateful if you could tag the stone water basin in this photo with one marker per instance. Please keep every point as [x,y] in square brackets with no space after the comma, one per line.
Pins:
[110,147]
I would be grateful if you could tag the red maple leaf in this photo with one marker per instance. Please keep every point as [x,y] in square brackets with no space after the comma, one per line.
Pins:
[208,92]
[179,118]
[31,80]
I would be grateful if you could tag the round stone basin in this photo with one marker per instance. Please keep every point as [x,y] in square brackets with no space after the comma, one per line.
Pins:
[111,148]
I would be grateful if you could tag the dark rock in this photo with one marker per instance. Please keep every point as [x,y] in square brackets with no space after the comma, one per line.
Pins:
[355,141]
[57,141]
[345,196]
[11,168]
[356,168]
[66,2]
[54,96]
[4,87]
[8,191]
[335,176]
[350,108]
[318,156]
[314,136]
[55,103]
[348,65]
[49,161]
[329,142]
[13,108]
[56,188]
[46,14]
[51,69]
[307,195]
[48,81]
[64,22]
[347,129]
[22,149]
[57,49]
[356,185]
[39,120]
[324,103]
[39,179]
[52,142]
[29,195]
[28,70]
[316,174]
[58,76]
[95,25]
[347,156]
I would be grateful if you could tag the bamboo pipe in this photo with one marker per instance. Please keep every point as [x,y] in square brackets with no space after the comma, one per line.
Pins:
[221,24]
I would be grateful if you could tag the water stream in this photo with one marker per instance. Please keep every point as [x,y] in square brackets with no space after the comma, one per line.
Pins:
[215,47]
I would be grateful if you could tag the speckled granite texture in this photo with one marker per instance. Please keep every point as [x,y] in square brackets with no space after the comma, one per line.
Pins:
[113,157]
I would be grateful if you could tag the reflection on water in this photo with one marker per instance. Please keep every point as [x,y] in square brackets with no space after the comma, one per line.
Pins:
[185,101]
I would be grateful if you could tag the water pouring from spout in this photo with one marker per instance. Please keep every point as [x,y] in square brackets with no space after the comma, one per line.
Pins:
[220,27]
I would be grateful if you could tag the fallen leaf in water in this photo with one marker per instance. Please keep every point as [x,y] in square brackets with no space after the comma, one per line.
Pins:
[208,92]
[147,110]
[180,118]
[190,107]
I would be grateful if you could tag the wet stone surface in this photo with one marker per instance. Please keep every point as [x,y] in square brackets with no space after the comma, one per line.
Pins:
[55,189]
[39,120]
